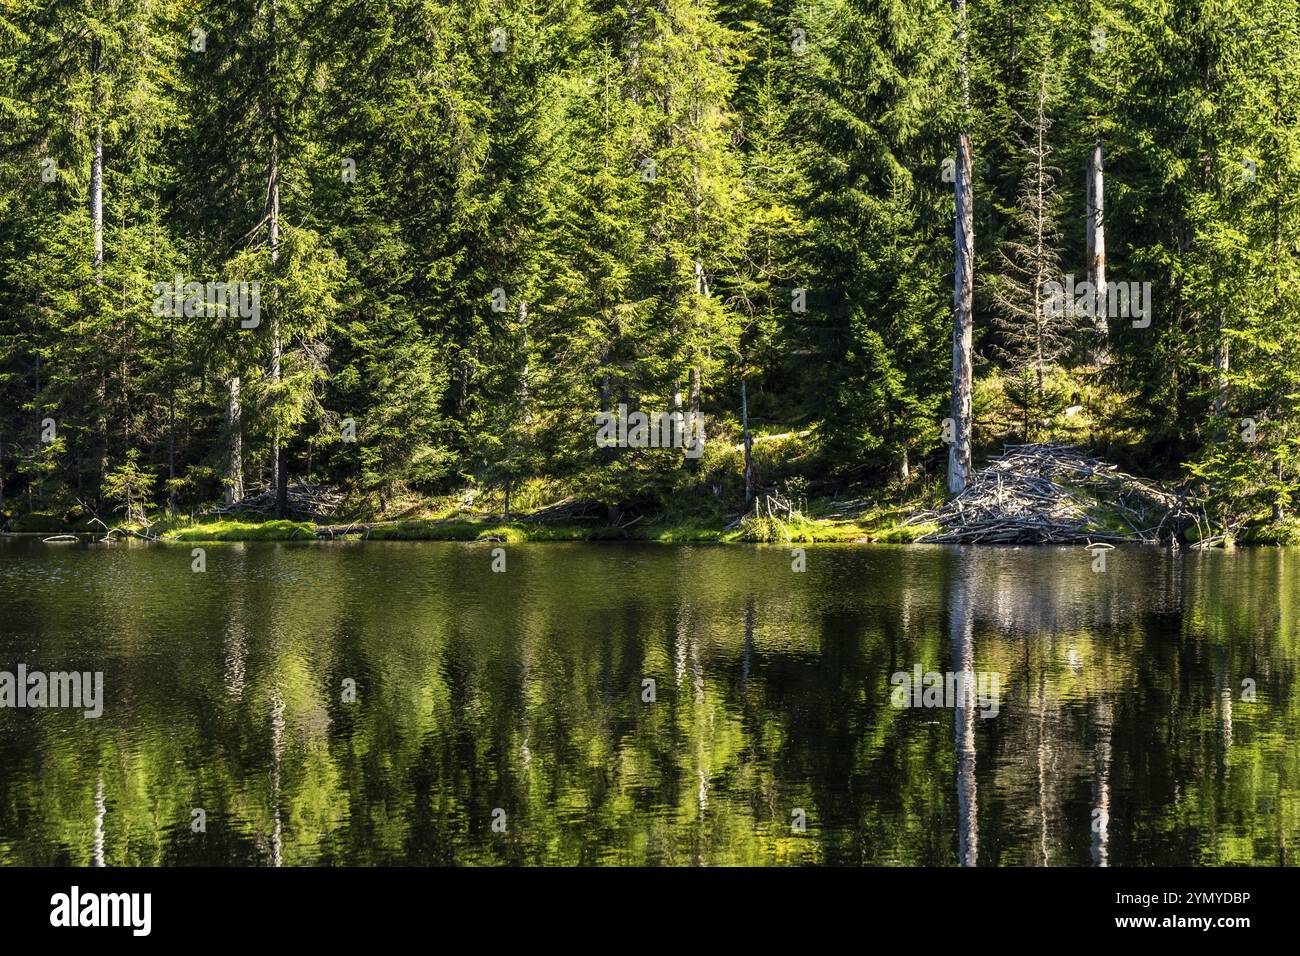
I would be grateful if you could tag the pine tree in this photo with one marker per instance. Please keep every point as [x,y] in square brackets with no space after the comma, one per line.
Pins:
[1034,325]
[881,111]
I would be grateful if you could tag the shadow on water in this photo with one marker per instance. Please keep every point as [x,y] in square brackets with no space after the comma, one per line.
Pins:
[644,704]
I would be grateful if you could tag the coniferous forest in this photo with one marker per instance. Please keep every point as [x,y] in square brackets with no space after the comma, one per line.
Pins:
[482,273]
[410,250]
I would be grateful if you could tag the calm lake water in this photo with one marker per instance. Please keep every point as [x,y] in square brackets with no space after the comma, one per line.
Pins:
[1122,731]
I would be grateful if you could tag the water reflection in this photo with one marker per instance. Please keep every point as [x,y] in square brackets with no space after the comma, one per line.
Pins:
[1147,715]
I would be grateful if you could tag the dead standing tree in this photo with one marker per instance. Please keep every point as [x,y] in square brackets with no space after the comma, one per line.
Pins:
[1033,328]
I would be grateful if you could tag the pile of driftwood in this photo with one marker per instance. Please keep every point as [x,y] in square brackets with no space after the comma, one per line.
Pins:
[1055,494]
[302,500]
[565,511]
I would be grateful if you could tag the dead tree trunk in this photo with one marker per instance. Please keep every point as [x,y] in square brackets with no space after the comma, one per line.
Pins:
[749,446]
[1096,190]
[1277,497]
[1222,360]
[235,445]
[279,473]
[97,232]
[959,452]
[97,167]
[693,463]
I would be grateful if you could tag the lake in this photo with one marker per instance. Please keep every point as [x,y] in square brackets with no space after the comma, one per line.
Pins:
[622,704]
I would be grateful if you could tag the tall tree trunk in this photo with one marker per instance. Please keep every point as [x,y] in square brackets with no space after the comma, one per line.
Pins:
[97,166]
[97,204]
[1277,495]
[279,475]
[525,366]
[525,370]
[694,463]
[1096,190]
[1222,360]
[959,452]
[959,409]
[679,430]
[171,451]
[749,445]
[235,445]
[97,254]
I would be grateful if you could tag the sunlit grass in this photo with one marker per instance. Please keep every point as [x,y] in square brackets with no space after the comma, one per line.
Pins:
[277,530]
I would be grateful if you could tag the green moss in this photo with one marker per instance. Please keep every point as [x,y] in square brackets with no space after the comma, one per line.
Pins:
[425,529]
[905,533]
[518,532]
[678,532]
[244,531]
[885,524]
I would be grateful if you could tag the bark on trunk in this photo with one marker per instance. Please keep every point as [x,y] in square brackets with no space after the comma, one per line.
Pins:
[1222,360]
[693,463]
[959,452]
[1277,500]
[279,479]
[1097,252]
[235,446]
[97,254]
[171,452]
[525,370]
[97,169]
[749,462]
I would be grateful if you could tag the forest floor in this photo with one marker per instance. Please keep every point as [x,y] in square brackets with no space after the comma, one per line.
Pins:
[1050,492]
[1066,514]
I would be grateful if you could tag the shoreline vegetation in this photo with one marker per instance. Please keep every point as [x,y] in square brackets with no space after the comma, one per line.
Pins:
[885,525]
[1028,494]
[881,525]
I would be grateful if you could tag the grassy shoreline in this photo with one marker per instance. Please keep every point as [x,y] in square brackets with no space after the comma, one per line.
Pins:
[771,531]
[881,525]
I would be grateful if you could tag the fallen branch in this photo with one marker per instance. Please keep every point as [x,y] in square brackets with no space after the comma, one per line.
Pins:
[1050,494]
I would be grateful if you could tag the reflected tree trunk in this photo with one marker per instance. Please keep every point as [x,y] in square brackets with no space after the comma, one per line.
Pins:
[1103,719]
[961,634]
[1045,761]
[1225,713]
[100,812]
[277,752]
